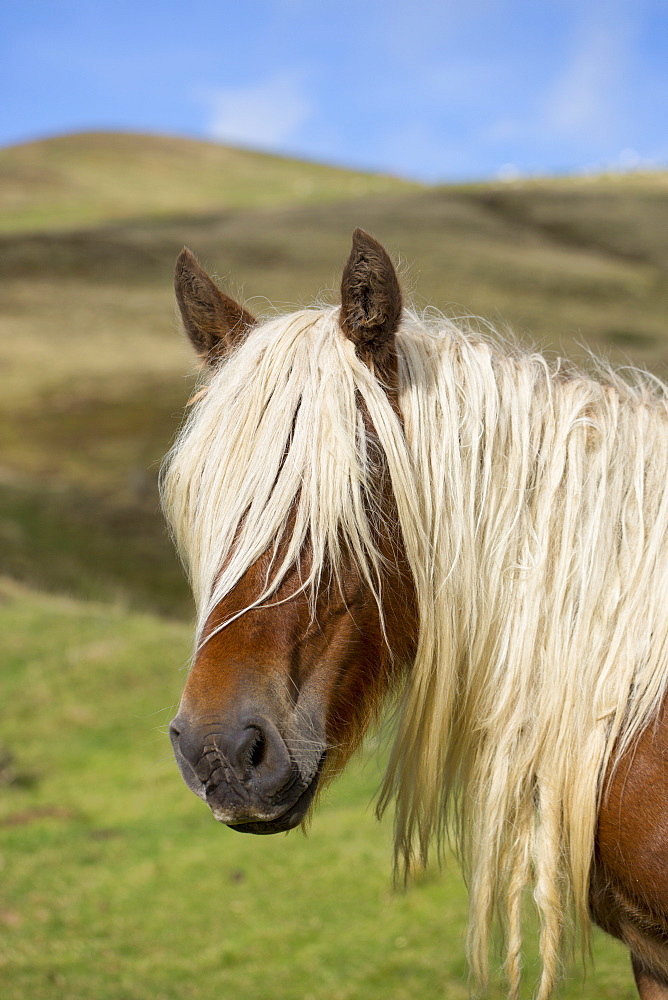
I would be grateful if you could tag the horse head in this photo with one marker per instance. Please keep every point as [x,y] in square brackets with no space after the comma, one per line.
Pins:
[299,639]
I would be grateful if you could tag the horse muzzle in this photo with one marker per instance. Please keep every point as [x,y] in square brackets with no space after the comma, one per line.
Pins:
[245,773]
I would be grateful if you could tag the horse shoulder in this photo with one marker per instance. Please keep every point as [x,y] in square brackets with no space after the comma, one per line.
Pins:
[629,888]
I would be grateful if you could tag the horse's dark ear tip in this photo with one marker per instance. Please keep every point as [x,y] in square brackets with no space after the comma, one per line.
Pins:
[362,238]
[185,256]
[184,262]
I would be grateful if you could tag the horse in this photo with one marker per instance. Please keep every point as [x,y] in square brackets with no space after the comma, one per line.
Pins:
[378,507]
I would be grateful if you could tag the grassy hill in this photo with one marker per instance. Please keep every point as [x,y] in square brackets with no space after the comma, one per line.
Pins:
[92,177]
[95,372]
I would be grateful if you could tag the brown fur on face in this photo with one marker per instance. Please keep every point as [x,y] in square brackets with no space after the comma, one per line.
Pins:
[326,669]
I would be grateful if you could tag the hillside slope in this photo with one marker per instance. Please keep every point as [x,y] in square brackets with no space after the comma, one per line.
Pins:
[558,261]
[93,177]
[93,366]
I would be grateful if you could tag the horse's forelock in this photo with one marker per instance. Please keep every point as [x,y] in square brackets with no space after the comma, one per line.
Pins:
[276,437]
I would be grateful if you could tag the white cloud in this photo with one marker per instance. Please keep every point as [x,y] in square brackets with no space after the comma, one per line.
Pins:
[265,115]
[584,110]
[584,100]
[627,161]
[508,173]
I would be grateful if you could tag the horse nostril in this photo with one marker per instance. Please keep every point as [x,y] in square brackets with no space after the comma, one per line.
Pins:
[251,750]
[256,751]
[174,731]
[261,757]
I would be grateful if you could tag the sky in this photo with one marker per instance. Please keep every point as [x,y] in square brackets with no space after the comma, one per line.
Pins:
[436,91]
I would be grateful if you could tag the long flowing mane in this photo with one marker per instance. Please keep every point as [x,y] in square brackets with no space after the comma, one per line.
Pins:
[534,510]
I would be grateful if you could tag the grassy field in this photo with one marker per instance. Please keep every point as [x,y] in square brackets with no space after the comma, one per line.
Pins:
[115,881]
[117,884]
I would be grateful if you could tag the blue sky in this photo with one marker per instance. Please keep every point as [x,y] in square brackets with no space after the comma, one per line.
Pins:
[437,91]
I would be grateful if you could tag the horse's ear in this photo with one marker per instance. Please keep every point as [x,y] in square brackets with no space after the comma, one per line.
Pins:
[370,299]
[213,321]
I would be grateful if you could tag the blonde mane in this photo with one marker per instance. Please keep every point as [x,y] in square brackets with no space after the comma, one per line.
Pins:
[534,512]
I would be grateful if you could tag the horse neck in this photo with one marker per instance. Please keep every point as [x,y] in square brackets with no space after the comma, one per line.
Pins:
[500,442]
[542,506]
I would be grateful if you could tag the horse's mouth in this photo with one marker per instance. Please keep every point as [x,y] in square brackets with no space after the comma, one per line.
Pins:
[291,818]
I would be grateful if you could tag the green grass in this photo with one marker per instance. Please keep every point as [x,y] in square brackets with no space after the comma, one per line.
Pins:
[117,883]
[80,543]
[79,505]
[91,177]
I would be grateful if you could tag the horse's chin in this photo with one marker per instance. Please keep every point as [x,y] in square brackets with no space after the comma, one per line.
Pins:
[264,827]
[291,818]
